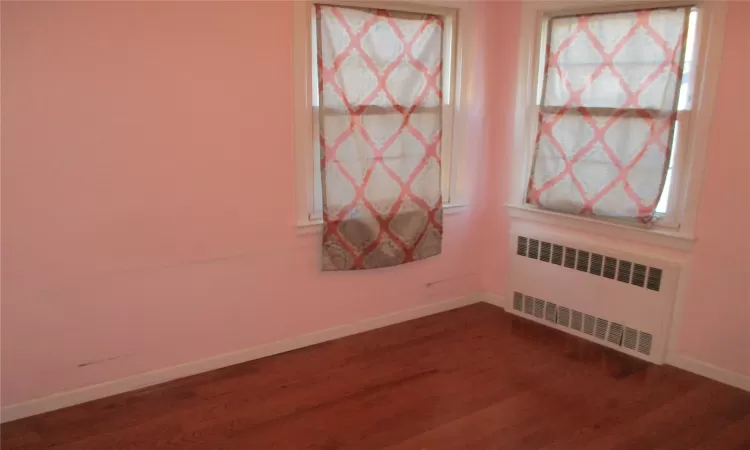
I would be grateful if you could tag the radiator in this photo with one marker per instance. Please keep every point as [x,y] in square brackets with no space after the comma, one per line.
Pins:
[618,298]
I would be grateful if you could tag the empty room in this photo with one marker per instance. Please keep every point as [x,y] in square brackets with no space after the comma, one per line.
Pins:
[372,225]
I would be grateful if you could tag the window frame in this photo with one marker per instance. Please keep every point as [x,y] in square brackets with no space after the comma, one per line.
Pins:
[692,136]
[308,201]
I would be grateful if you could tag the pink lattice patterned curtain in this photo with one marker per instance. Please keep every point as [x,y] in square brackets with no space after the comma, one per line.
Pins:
[608,111]
[380,113]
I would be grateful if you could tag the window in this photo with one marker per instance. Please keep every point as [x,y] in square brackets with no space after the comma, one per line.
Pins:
[607,111]
[308,105]
[619,40]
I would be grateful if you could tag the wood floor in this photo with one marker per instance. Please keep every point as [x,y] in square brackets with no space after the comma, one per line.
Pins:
[472,378]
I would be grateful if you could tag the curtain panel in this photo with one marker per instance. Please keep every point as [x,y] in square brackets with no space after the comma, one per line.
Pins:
[380,114]
[607,112]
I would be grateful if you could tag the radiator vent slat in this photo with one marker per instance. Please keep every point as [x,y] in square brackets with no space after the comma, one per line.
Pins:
[518,301]
[583,261]
[533,249]
[596,264]
[598,327]
[563,316]
[546,252]
[610,265]
[623,274]
[615,333]
[644,342]
[654,279]
[588,324]
[639,275]
[528,304]
[570,257]
[550,312]
[523,244]
[630,338]
[557,254]
[538,308]
[577,322]
[601,328]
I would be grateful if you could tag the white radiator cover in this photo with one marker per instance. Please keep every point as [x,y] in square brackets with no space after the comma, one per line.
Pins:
[626,312]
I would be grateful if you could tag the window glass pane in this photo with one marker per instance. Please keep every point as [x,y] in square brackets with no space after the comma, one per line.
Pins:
[314,60]
[448,60]
[612,61]
[686,87]
[661,207]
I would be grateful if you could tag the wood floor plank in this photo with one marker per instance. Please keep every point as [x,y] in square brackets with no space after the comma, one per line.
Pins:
[474,378]
[733,437]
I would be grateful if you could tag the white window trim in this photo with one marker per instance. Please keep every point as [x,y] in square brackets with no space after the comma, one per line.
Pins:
[454,175]
[677,230]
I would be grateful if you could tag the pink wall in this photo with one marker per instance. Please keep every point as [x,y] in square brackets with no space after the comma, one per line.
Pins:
[716,320]
[148,201]
[148,195]
[497,171]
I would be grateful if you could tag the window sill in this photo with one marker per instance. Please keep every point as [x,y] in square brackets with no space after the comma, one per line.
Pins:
[315,226]
[662,237]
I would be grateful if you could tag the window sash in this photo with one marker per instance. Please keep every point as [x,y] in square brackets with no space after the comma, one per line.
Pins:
[601,112]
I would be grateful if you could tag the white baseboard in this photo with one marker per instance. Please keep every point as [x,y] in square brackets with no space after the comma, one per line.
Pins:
[109,388]
[106,389]
[491,298]
[707,370]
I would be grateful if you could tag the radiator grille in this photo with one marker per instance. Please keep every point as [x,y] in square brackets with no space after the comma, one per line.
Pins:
[528,304]
[615,333]
[557,254]
[588,324]
[598,327]
[563,316]
[623,274]
[577,322]
[570,257]
[523,244]
[550,312]
[654,279]
[601,328]
[610,267]
[583,261]
[546,252]
[518,301]
[533,249]
[623,271]
[644,342]
[597,261]
[630,338]
[538,308]
[639,275]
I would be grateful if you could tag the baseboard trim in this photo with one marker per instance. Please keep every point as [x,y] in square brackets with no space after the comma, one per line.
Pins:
[109,388]
[491,298]
[707,370]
